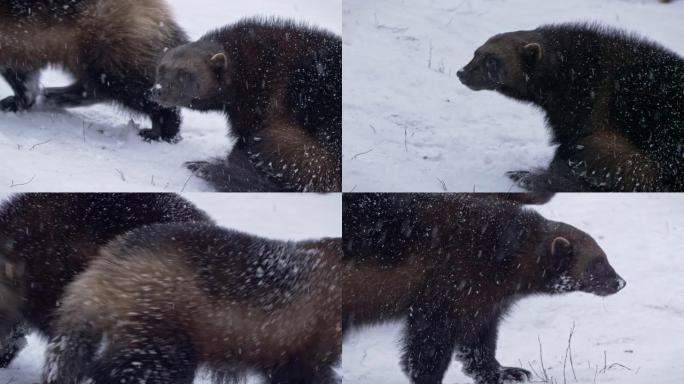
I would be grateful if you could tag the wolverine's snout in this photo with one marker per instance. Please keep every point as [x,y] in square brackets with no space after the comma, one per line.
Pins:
[475,77]
[604,282]
[461,74]
[610,287]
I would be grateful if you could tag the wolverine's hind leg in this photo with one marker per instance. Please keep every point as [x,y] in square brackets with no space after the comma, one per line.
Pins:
[139,351]
[616,165]
[25,86]
[602,161]
[79,94]
[430,337]
[290,155]
[150,360]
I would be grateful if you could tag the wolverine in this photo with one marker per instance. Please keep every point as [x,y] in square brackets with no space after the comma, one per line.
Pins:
[279,83]
[161,301]
[451,266]
[613,102]
[111,48]
[47,239]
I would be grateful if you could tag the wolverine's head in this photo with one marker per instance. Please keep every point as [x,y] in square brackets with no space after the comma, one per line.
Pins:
[504,63]
[577,263]
[193,75]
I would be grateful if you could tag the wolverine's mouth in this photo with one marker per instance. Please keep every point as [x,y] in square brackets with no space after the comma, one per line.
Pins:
[479,86]
[605,288]
[487,87]
[566,284]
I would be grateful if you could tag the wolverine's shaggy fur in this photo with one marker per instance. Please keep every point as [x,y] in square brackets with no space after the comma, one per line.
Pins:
[111,47]
[46,239]
[280,85]
[163,300]
[537,198]
[614,103]
[451,266]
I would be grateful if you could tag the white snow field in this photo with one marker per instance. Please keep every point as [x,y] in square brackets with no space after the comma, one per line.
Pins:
[410,125]
[632,337]
[97,148]
[276,216]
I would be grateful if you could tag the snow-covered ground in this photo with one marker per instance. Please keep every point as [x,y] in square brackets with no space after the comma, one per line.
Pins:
[97,148]
[634,336]
[410,125]
[278,216]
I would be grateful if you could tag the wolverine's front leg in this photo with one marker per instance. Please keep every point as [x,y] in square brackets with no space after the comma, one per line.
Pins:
[290,155]
[78,94]
[430,337]
[476,346]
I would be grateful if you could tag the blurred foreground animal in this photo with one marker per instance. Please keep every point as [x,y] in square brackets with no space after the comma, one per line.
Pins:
[47,239]
[111,47]
[162,301]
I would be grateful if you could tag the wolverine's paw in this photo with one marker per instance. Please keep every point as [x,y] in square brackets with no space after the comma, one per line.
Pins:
[538,181]
[151,135]
[522,178]
[196,167]
[513,374]
[15,104]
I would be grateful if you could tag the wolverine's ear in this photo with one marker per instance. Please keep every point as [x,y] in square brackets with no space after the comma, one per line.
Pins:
[219,61]
[533,51]
[560,246]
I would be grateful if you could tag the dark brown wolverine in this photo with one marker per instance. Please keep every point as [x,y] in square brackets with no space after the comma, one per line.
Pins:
[451,266]
[280,85]
[614,103]
[111,47]
[47,239]
[163,300]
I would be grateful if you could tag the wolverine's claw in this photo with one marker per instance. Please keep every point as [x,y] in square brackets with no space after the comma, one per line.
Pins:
[150,135]
[14,104]
[195,166]
[514,374]
[519,177]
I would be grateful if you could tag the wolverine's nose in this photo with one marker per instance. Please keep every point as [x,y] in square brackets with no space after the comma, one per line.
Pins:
[460,74]
[620,283]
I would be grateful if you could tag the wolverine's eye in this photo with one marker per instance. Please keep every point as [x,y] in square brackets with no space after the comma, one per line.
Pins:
[599,267]
[185,76]
[492,63]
